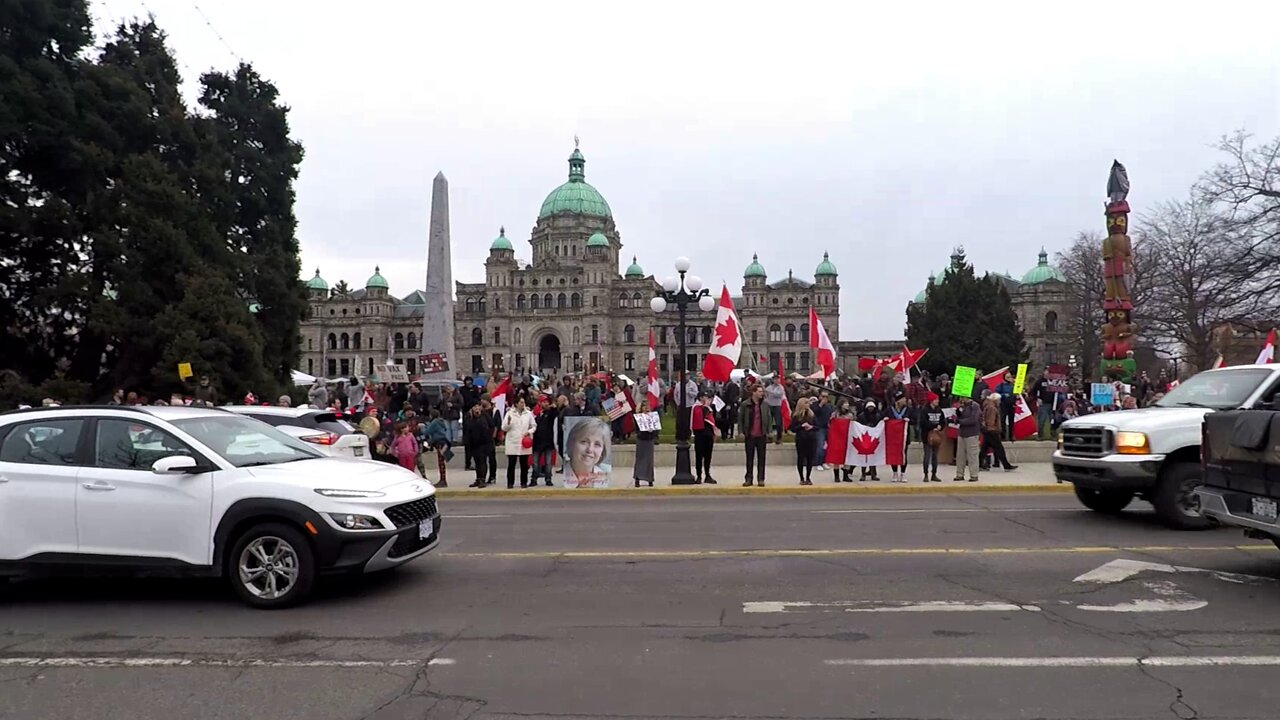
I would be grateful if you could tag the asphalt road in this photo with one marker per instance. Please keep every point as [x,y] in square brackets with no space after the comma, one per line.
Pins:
[980,606]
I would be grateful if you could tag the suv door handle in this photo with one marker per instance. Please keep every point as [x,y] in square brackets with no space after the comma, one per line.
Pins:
[97,486]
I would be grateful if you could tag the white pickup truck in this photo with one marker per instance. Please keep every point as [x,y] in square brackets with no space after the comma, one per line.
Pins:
[1154,453]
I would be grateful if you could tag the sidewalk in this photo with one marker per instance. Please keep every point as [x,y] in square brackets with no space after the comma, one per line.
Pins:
[1034,477]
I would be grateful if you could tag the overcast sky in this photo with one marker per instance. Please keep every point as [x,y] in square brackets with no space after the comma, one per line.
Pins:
[884,134]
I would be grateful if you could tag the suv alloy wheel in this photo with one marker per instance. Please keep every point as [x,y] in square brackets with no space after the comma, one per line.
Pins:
[272,566]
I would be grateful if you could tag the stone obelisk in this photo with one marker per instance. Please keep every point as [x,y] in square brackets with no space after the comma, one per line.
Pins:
[437,321]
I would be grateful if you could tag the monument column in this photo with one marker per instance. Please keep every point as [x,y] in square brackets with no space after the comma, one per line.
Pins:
[437,321]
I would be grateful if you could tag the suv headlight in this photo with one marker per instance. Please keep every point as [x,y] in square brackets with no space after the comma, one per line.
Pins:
[348,521]
[327,492]
[1132,443]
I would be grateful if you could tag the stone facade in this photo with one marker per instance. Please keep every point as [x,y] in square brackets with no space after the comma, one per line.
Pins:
[567,309]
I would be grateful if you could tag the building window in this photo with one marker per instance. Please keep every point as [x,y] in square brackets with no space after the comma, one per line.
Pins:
[755,336]
[804,334]
[693,335]
[520,301]
[311,366]
[629,334]
[1051,321]
[791,361]
[775,301]
[497,303]
[309,343]
[515,336]
[533,301]
[497,362]
[791,333]
[562,301]
[477,336]
[595,333]
[355,341]
[497,336]
[575,300]
[1050,353]
[804,362]
[662,335]
[370,370]
[333,367]
[577,336]
[333,341]
[480,304]
[471,305]
[706,335]
[594,360]
[622,300]
[574,250]
[477,364]
[664,362]
[410,366]
[557,250]
[547,300]
[775,333]
[519,361]
[595,301]
[774,360]
[399,341]
[413,341]
[629,362]
[577,357]
[637,300]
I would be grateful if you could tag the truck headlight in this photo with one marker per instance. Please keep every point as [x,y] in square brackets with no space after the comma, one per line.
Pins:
[1059,439]
[1132,443]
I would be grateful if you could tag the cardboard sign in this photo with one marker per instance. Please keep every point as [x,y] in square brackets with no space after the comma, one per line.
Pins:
[433,363]
[962,381]
[615,409]
[1020,380]
[717,403]
[184,371]
[394,374]
[648,422]
[1102,394]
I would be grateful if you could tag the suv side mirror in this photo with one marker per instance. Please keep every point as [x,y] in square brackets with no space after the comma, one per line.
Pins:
[175,465]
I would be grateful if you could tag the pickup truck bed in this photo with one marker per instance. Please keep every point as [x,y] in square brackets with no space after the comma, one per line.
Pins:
[1242,471]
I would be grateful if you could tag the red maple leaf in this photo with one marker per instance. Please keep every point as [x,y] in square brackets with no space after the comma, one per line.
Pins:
[864,444]
[726,332]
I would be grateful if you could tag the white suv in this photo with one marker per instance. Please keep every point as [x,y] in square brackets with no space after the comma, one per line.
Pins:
[200,491]
[325,429]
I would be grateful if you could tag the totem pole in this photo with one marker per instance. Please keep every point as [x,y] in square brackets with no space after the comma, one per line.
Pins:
[1117,274]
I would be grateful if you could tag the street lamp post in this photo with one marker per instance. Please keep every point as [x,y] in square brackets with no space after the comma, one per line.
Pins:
[682,292]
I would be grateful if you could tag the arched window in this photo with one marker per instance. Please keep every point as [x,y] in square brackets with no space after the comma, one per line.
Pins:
[629,334]
[575,300]
[355,341]
[636,300]
[804,333]
[534,301]
[706,335]
[577,337]
[775,333]
[547,300]
[791,333]
[622,300]
[515,336]
[471,305]
[562,301]
[1051,321]
[477,336]
[413,341]
[333,341]
[480,304]
[399,341]
[520,301]
[344,341]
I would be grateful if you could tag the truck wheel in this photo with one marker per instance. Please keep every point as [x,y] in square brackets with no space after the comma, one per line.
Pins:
[1109,502]
[1175,498]
[272,566]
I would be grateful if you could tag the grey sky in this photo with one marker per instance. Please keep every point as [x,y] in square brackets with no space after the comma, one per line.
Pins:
[884,134]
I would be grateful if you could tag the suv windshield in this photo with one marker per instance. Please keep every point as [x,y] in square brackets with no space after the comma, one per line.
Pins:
[245,442]
[1219,390]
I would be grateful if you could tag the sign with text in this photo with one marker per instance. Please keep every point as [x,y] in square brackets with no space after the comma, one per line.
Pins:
[394,374]
[1102,394]
[962,381]
[433,363]
[1020,380]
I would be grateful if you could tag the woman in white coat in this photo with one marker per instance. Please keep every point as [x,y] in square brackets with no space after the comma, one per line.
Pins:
[518,424]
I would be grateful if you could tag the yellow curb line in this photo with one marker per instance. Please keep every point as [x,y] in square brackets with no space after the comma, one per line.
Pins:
[677,554]
[501,493]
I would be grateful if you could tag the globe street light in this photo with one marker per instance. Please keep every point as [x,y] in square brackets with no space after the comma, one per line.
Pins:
[682,292]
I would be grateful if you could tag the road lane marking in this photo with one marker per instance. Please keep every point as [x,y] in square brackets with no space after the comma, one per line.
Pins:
[865,606]
[1066,662]
[168,662]
[1122,569]
[696,554]
[920,511]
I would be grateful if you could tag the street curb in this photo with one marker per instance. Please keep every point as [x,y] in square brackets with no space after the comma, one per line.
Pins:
[949,488]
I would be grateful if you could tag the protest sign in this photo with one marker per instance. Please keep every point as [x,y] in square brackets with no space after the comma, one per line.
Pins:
[1102,394]
[962,381]
[1020,380]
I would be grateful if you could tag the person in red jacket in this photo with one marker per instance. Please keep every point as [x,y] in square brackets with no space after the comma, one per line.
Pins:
[703,424]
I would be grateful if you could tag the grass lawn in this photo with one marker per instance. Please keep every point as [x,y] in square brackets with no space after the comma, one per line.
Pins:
[668,433]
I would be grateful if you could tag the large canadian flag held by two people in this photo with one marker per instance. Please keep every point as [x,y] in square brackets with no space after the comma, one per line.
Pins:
[726,341]
[852,443]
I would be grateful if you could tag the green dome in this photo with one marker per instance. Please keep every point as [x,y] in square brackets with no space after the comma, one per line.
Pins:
[501,242]
[598,240]
[755,269]
[1043,272]
[923,296]
[376,280]
[635,271]
[825,267]
[576,196]
[317,282]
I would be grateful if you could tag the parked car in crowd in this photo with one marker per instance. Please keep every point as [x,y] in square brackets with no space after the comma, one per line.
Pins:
[330,432]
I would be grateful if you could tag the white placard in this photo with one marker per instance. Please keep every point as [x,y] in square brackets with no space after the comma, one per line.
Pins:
[648,422]
[394,374]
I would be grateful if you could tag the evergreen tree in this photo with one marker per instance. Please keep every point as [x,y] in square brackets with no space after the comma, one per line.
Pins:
[966,320]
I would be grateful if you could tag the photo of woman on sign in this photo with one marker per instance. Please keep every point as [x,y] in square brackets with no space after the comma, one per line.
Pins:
[587,445]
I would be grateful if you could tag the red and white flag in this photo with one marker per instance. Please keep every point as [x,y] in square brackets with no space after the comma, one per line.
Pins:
[825,357]
[1024,423]
[852,443]
[499,395]
[1268,354]
[786,404]
[653,388]
[993,379]
[726,342]
[1219,363]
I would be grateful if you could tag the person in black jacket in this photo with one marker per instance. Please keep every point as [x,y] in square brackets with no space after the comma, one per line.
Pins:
[931,418]
[477,436]
[869,416]
[806,433]
[544,440]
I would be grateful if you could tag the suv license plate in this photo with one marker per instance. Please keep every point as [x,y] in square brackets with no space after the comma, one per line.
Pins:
[425,529]
[1264,508]
[357,451]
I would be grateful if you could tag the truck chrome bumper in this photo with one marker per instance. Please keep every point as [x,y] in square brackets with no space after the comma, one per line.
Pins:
[1110,472]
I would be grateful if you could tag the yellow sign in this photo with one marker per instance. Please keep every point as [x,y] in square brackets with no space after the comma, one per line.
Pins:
[1021,380]
[184,371]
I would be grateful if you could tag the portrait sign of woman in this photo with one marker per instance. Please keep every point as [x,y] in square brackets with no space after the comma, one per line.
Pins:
[587,446]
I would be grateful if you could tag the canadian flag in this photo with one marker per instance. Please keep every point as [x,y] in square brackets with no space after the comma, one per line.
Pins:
[1268,354]
[726,342]
[993,379]
[786,404]
[1024,423]
[852,443]
[654,389]
[499,395]
[825,357]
